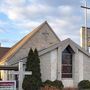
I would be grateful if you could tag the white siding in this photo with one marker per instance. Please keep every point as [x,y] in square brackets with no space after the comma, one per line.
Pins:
[75,68]
[45,64]
[86,65]
[54,65]
[80,61]
[68,82]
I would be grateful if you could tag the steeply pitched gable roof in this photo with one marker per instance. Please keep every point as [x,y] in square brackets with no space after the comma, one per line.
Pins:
[17,46]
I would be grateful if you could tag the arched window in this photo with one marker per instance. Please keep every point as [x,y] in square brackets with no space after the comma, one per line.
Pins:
[67,55]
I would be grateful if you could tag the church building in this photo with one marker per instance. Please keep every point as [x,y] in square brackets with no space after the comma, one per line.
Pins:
[59,60]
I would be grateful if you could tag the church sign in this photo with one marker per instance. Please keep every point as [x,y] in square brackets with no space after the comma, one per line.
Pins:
[7,85]
[83,34]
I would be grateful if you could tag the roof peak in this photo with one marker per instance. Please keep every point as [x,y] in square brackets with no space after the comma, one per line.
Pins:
[45,22]
[18,45]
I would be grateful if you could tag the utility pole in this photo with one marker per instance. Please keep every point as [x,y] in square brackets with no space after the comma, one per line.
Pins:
[86,31]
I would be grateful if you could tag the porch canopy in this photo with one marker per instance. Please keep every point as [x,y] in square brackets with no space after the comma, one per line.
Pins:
[2,67]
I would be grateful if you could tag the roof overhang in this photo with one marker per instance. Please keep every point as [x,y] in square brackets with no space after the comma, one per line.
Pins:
[2,67]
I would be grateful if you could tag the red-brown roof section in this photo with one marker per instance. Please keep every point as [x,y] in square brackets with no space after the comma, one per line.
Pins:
[3,51]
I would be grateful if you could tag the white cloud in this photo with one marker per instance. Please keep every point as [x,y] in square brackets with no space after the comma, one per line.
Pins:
[38,8]
[66,28]
[26,16]
[14,14]
[65,10]
[15,11]
[13,2]
[28,25]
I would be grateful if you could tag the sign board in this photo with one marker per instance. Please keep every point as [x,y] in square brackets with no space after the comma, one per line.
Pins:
[7,85]
[82,37]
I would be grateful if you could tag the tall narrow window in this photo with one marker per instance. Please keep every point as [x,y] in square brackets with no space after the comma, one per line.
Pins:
[67,62]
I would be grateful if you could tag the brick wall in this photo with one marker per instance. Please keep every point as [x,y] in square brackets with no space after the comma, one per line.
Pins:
[53,88]
[49,88]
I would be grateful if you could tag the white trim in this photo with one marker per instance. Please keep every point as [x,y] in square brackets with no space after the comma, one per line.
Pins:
[59,64]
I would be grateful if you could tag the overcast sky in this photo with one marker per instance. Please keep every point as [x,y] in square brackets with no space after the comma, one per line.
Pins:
[19,17]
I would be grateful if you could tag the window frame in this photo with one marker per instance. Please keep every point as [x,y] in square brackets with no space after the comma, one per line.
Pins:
[70,64]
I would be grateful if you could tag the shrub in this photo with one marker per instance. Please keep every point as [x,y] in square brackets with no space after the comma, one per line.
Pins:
[56,83]
[48,83]
[84,84]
